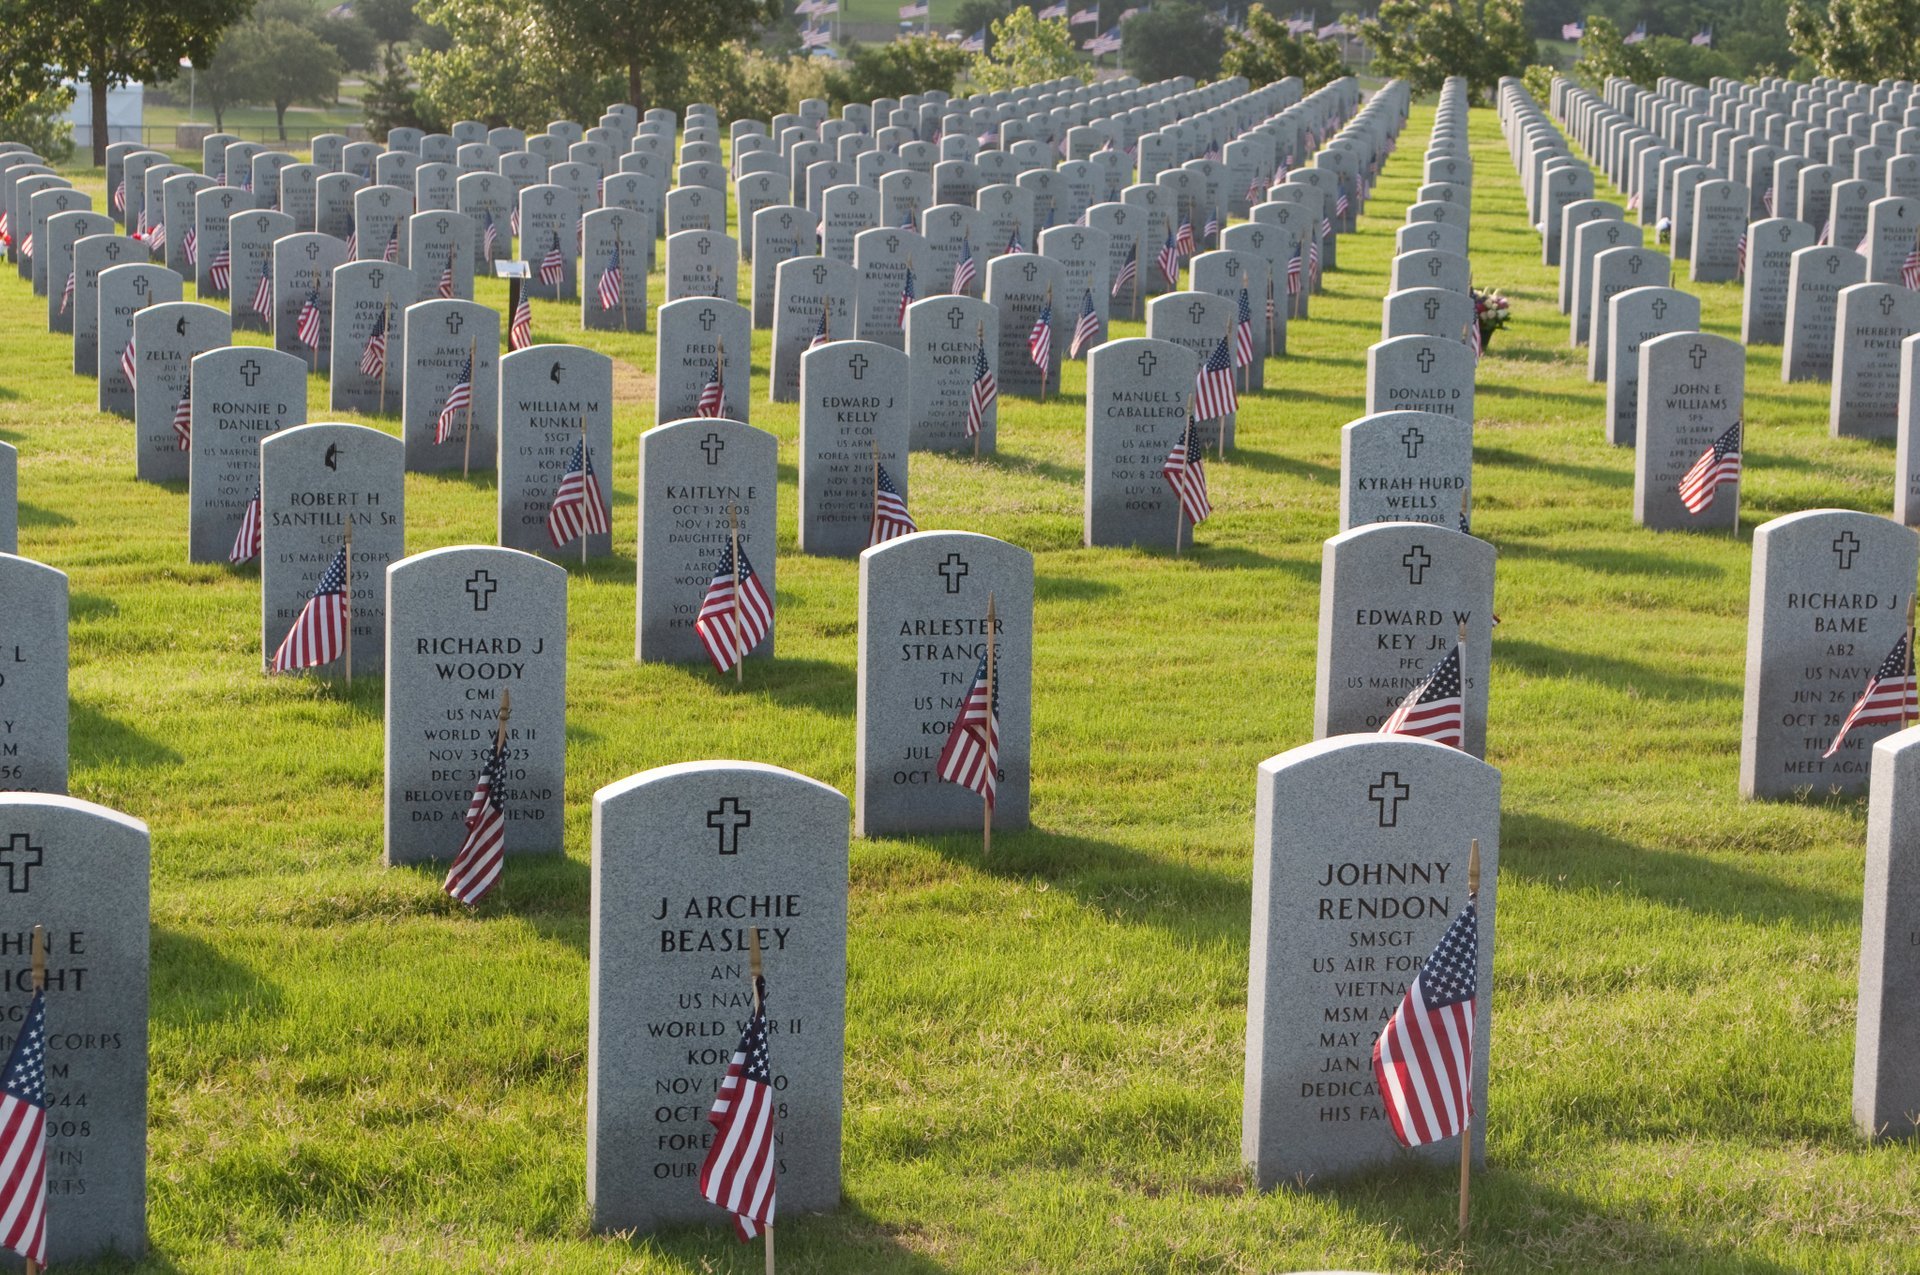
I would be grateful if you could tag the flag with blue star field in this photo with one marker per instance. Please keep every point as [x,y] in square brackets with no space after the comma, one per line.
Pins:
[1436,709]
[1423,1059]
[1719,464]
[459,399]
[579,506]
[476,869]
[971,757]
[1213,386]
[1891,697]
[741,1170]
[890,515]
[737,613]
[319,633]
[23,1138]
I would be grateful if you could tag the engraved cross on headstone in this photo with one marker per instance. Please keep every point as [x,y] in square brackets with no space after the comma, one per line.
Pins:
[1412,440]
[858,366]
[455,321]
[955,317]
[713,445]
[1425,360]
[1387,794]
[1697,355]
[30,857]
[1416,560]
[953,570]
[728,818]
[1433,308]
[481,586]
[250,372]
[1844,547]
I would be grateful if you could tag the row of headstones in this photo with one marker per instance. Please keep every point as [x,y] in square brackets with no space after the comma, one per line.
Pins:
[1430,281]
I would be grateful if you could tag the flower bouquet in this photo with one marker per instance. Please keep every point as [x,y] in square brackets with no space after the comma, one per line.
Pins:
[1492,310]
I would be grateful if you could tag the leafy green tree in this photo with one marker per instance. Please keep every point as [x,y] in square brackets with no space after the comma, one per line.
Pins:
[912,65]
[1684,60]
[301,67]
[979,15]
[38,121]
[1604,53]
[1864,40]
[1026,49]
[649,40]
[1425,41]
[113,42]
[496,61]
[391,21]
[1266,51]
[390,100]
[233,75]
[1175,37]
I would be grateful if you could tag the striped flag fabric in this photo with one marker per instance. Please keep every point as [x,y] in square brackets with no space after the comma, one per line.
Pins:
[1129,270]
[246,541]
[263,291]
[23,1137]
[1766,201]
[520,331]
[66,293]
[1255,190]
[713,395]
[183,421]
[1213,385]
[820,334]
[1013,242]
[1085,328]
[307,326]
[906,299]
[1341,204]
[890,516]
[1719,464]
[1910,268]
[1826,233]
[476,868]
[1183,240]
[611,280]
[489,237]
[1293,273]
[1891,697]
[373,359]
[448,290]
[1471,335]
[220,273]
[985,391]
[741,1171]
[1436,709]
[1185,470]
[579,506]
[392,252]
[1740,257]
[513,222]
[190,246]
[1423,1058]
[971,757]
[130,364]
[716,624]
[319,633]
[1170,260]
[964,270]
[120,196]
[1040,341]
[459,399]
[156,238]
[1313,262]
[553,266]
[1634,202]
[1243,332]
[1212,229]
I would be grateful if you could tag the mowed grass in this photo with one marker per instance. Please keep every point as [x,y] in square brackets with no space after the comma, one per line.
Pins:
[1044,1050]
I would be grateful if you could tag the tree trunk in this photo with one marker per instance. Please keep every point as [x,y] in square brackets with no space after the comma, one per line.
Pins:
[97,89]
[280,118]
[219,118]
[636,96]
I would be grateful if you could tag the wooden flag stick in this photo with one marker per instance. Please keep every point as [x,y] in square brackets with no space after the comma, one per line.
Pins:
[993,728]
[386,329]
[1466,1122]
[348,644]
[473,377]
[506,711]
[739,630]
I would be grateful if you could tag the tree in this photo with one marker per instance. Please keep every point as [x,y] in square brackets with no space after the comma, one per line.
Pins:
[915,64]
[1266,51]
[1175,37]
[233,74]
[495,61]
[301,67]
[1604,54]
[1425,41]
[112,42]
[979,15]
[1026,49]
[649,40]
[391,21]
[1865,40]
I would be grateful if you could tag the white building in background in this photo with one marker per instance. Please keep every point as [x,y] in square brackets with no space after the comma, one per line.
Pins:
[126,110]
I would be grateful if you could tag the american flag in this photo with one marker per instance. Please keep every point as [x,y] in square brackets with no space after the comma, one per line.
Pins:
[489,238]
[1129,270]
[713,395]
[1766,201]
[66,294]
[1293,273]
[190,246]
[1435,709]
[156,239]
[579,506]
[373,359]
[715,624]
[459,399]
[307,325]
[1472,337]
[476,869]
[23,1137]
[1040,340]
[820,334]
[1341,204]
[1213,386]
[1170,260]
[1890,698]
[1326,228]
[611,280]
[119,197]
[553,266]
[906,299]
[220,273]
[263,291]
[1013,241]
[742,1166]
[1910,268]
[1719,464]
[183,421]
[392,253]
[1185,470]
[520,331]
[1183,241]
[1254,189]
[130,365]
[1313,262]
[1212,227]
[890,516]
[246,542]
[971,757]
[1633,202]
[1826,232]
[1423,1059]
[1740,257]
[985,390]
[448,290]
[1085,328]
[513,221]
[319,634]
[964,269]
[1243,332]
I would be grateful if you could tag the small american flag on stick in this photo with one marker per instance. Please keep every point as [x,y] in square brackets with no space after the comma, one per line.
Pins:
[964,269]
[713,395]
[611,280]
[392,252]
[220,273]
[66,294]
[263,291]
[319,633]
[737,613]
[1719,464]
[1437,708]
[1185,470]
[1170,260]
[891,518]
[1040,341]
[1213,386]
[307,325]
[183,421]
[985,391]
[1890,697]
[579,506]
[448,288]
[246,541]
[130,365]
[1085,328]
[906,299]
[520,331]
[741,1171]
[1910,268]
[553,266]
[476,868]
[1243,329]
[821,334]
[459,399]
[1129,270]
[23,1126]
[373,359]
[971,755]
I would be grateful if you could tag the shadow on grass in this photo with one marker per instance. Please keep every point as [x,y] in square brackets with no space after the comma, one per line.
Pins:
[1615,562]
[193,984]
[99,740]
[1274,463]
[821,685]
[39,516]
[1568,856]
[1069,588]
[1549,662]
[847,1239]
[1483,455]
[91,606]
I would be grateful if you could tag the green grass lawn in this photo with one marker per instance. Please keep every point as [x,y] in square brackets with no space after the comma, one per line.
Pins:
[1044,1051]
